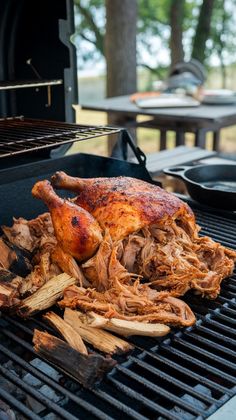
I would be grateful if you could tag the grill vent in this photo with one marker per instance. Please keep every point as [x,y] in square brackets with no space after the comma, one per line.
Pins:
[188,375]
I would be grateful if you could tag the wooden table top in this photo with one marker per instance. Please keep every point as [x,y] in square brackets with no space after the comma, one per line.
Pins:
[220,114]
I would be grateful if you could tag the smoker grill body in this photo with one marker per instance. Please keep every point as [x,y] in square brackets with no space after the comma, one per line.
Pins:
[189,374]
[35,47]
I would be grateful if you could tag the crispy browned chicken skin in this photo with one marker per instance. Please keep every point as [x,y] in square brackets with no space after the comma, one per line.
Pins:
[124,205]
[76,230]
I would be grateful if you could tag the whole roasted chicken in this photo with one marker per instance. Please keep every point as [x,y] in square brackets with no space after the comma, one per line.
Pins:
[138,246]
[156,233]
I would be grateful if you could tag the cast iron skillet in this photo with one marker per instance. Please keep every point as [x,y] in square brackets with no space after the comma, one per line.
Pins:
[214,185]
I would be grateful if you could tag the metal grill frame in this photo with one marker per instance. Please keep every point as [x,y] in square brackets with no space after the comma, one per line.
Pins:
[19,135]
[152,381]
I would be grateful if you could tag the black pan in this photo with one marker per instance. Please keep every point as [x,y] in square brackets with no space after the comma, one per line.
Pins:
[214,185]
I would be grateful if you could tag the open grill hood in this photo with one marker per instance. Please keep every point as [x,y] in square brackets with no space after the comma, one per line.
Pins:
[38,76]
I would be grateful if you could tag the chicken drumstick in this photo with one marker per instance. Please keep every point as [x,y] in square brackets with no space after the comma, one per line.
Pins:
[76,230]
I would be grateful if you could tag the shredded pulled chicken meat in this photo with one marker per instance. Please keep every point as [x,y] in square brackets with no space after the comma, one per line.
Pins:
[31,234]
[136,278]
[37,237]
[172,257]
[136,302]
[175,259]
[48,260]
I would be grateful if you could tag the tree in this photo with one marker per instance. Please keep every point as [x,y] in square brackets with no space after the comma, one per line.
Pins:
[184,28]
[203,30]
[120,46]
[90,27]
[176,35]
[223,34]
[120,51]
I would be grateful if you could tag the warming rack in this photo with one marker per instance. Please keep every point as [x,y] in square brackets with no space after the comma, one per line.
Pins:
[28,84]
[20,135]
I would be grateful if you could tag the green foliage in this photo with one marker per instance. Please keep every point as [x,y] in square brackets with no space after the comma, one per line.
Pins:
[153,31]
[90,27]
[223,28]
[153,14]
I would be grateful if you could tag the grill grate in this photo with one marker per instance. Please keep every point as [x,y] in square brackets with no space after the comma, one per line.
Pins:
[20,136]
[188,375]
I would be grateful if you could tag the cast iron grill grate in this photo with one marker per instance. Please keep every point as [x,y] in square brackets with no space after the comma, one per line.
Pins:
[188,375]
[19,135]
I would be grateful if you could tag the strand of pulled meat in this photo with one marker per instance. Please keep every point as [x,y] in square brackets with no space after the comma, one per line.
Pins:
[105,266]
[48,260]
[136,302]
[172,257]
[176,260]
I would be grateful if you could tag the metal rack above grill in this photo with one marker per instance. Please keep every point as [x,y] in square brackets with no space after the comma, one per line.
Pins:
[21,135]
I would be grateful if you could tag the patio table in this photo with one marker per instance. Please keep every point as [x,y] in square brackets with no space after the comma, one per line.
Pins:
[198,120]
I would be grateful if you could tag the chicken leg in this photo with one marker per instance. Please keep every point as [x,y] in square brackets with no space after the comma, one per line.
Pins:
[77,232]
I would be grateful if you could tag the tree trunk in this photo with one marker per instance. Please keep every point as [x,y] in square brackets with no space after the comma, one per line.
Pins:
[120,46]
[223,73]
[120,52]
[203,30]
[176,36]
[222,45]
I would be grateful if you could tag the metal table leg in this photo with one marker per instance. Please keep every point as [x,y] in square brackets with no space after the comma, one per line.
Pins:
[180,137]
[163,145]
[216,140]
[200,138]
